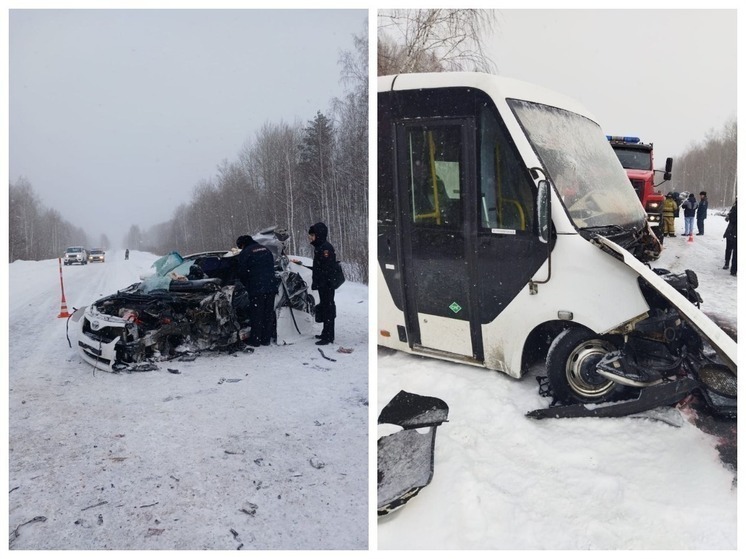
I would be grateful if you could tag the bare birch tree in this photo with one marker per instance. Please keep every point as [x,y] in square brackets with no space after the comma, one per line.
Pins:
[290,176]
[433,40]
[351,153]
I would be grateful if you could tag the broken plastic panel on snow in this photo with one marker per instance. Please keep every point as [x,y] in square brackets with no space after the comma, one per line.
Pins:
[406,458]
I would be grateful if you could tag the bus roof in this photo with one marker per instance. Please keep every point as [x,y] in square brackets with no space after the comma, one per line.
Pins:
[498,87]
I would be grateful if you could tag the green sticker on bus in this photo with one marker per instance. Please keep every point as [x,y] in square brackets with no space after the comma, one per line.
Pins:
[455,307]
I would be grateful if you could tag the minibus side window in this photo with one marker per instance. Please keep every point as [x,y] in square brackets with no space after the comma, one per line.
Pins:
[506,197]
[434,175]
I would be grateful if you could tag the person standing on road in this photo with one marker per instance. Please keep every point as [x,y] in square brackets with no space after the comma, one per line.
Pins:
[670,208]
[127,254]
[256,271]
[702,213]
[690,210]
[322,280]
[731,250]
[676,198]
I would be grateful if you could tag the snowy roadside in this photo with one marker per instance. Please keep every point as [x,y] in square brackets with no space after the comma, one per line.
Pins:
[503,481]
[262,450]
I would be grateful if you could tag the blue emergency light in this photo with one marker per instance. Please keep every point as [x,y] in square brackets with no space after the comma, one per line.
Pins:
[625,139]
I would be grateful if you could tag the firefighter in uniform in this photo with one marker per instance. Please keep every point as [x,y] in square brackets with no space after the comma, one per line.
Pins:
[669,213]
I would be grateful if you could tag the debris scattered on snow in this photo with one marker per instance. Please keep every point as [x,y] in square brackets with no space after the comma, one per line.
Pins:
[141,367]
[15,533]
[222,380]
[154,532]
[324,356]
[669,415]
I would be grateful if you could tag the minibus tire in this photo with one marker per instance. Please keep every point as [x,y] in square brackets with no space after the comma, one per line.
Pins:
[571,362]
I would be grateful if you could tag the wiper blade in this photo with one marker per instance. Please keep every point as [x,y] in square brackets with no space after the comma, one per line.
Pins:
[599,228]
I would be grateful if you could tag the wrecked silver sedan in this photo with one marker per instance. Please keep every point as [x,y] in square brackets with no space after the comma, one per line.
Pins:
[191,304]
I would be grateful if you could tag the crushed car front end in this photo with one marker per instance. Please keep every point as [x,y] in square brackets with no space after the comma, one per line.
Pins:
[190,305]
[132,327]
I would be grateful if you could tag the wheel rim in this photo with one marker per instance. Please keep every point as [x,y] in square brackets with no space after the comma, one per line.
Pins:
[580,369]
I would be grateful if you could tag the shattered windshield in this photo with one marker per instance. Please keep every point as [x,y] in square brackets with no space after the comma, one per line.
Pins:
[582,166]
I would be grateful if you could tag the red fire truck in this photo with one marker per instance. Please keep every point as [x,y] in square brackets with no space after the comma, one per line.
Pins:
[637,159]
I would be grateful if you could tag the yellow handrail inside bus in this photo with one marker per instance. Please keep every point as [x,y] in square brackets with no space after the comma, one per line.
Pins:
[433,183]
[501,202]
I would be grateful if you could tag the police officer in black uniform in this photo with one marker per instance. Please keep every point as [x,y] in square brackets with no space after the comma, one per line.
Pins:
[322,280]
[256,271]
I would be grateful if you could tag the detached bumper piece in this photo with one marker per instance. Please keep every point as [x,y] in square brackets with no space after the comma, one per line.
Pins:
[664,394]
[406,458]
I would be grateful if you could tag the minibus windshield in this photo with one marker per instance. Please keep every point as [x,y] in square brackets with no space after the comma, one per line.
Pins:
[582,166]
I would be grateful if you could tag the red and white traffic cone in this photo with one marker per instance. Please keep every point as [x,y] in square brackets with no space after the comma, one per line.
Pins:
[63,308]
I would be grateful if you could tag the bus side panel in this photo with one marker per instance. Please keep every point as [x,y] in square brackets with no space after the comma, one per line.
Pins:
[444,333]
[585,281]
[390,318]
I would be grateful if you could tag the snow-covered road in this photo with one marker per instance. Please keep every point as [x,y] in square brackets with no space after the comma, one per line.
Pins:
[263,450]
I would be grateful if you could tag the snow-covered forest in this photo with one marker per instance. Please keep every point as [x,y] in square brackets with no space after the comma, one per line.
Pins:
[709,165]
[289,175]
[35,230]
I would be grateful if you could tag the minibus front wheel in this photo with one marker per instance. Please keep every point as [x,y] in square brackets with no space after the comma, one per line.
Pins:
[571,367]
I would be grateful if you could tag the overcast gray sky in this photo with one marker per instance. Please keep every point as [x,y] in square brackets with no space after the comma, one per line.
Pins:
[115,115]
[666,76]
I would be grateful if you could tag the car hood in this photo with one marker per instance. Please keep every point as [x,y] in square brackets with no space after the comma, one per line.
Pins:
[723,344]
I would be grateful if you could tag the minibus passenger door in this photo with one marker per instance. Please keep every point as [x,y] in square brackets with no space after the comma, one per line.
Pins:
[433,168]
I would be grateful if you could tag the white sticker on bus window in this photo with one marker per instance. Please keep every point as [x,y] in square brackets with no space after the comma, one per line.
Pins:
[503,231]
[390,267]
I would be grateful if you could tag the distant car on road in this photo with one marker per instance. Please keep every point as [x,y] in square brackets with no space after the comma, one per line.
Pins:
[96,255]
[75,255]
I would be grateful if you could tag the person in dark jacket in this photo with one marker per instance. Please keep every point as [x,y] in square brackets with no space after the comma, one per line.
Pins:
[731,250]
[690,211]
[256,271]
[322,280]
[702,213]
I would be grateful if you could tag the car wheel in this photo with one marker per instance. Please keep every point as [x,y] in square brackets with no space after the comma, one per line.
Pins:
[571,367]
